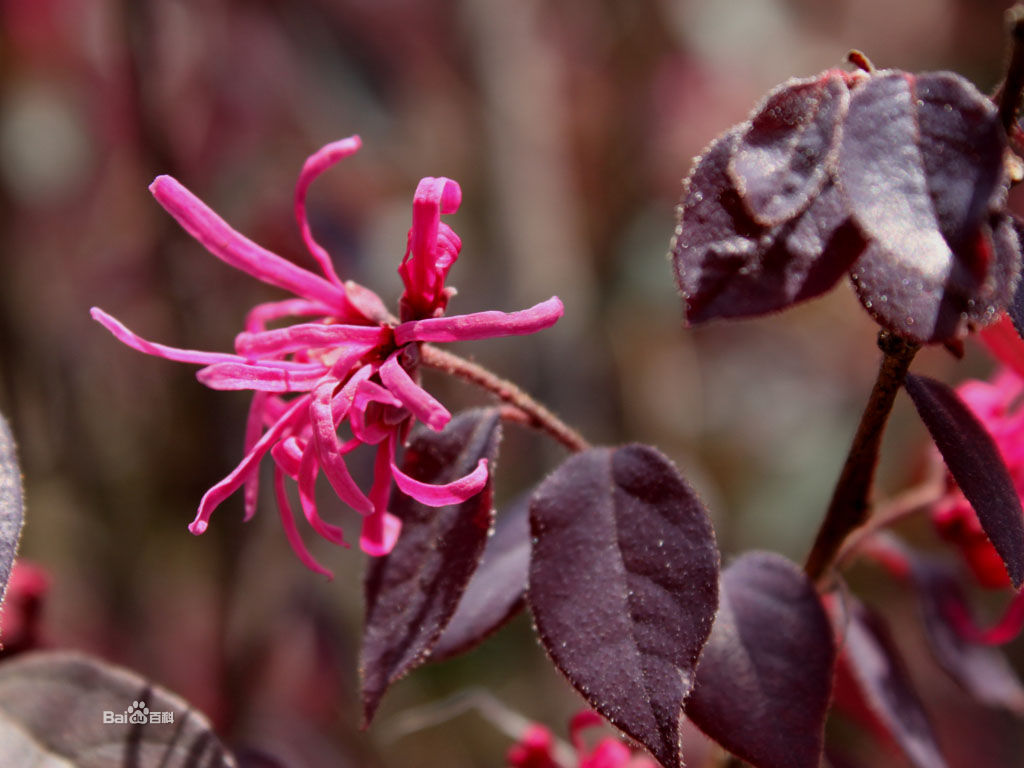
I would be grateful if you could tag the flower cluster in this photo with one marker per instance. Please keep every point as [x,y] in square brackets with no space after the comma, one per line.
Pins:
[536,749]
[999,406]
[346,361]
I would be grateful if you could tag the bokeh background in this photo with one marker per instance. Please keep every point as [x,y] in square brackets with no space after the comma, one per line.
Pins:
[569,126]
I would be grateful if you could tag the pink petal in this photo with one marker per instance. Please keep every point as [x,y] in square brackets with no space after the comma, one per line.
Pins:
[343,399]
[1003,342]
[136,342]
[371,431]
[264,378]
[419,402]
[291,532]
[454,492]
[381,529]
[287,454]
[366,302]
[310,335]
[316,164]
[238,251]
[213,497]
[258,317]
[253,430]
[421,270]
[482,325]
[330,452]
[308,470]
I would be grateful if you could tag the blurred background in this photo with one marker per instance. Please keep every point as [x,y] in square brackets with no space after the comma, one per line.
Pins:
[570,126]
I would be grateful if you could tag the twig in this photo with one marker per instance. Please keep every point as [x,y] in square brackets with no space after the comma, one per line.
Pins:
[849,505]
[526,410]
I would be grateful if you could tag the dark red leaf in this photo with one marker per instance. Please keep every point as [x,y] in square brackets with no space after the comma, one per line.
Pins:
[496,591]
[870,656]
[783,156]
[921,168]
[53,707]
[728,265]
[1015,308]
[12,514]
[765,677]
[412,593]
[975,463]
[980,670]
[624,586]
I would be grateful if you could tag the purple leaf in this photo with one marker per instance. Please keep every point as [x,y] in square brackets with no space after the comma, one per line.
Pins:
[921,167]
[12,515]
[624,586]
[975,463]
[1015,308]
[54,711]
[765,677]
[412,593]
[783,156]
[874,663]
[728,265]
[495,593]
[980,670]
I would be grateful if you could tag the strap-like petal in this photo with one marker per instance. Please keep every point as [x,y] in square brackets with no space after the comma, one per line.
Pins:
[280,341]
[239,251]
[316,164]
[257,318]
[263,378]
[454,492]
[213,497]
[330,451]
[420,403]
[253,430]
[291,532]
[482,325]
[309,468]
[381,529]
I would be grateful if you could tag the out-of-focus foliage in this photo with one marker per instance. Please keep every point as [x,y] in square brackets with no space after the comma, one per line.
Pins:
[570,126]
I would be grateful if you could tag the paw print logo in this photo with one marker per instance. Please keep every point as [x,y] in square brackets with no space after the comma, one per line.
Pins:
[138,713]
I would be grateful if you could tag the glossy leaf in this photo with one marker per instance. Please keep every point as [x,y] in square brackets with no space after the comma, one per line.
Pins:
[412,593]
[921,168]
[975,463]
[496,592]
[871,657]
[52,711]
[624,586]
[765,677]
[783,156]
[12,513]
[728,265]
[982,671]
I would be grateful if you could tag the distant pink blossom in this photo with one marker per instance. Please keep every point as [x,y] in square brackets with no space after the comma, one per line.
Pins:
[345,360]
[536,748]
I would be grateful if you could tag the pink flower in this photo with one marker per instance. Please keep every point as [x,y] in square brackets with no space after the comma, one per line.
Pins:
[999,406]
[344,361]
[536,748]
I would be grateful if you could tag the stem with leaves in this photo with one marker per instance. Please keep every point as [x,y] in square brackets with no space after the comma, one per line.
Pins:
[849,506]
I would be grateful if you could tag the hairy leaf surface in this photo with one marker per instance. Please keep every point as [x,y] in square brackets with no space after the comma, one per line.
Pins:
[496,591]
[921,169]
[728,265]
[412,593]
[765,677]
[784,154]
[624,586]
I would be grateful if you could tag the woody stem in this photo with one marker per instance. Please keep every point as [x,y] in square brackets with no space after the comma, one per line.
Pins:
[524,408]
[849,506]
